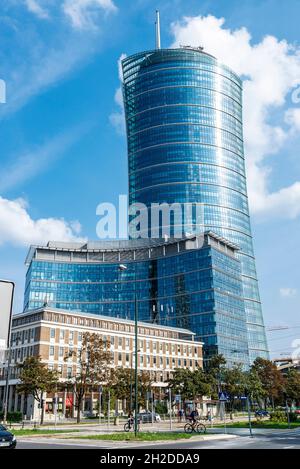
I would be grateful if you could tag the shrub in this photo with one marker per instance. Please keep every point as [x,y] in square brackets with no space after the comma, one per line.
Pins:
[13,417]
[293,417]
[278,416]
[161,408]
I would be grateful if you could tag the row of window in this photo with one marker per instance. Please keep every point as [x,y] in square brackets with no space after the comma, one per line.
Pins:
[184,96]
[188,152]
[181,77]
[197,133]
[187,172]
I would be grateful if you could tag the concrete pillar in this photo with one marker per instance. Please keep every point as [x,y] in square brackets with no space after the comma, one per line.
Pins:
[32,408]
[10,398]
[92,403]
[22,404]
[64,403]
[16,400]
[73,409]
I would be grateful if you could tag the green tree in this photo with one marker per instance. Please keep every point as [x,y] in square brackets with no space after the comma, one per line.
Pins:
[36,380]
[254,386]
[123,384]
[270,378]
[144,385]
[93,365]
[182,383]
[214,370]
[292,385]
[190,384]
[234,379]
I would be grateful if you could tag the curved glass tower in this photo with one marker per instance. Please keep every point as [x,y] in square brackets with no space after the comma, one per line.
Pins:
[185,145]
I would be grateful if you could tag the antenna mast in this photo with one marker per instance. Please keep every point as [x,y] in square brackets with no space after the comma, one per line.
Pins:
[157,28]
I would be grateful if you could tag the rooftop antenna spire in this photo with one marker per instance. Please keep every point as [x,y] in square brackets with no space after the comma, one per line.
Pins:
[157,28]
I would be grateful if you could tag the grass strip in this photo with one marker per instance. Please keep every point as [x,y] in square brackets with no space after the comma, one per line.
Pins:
[40,432]
[141,436]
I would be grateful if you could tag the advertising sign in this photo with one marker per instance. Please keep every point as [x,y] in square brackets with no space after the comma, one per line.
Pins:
[6,300]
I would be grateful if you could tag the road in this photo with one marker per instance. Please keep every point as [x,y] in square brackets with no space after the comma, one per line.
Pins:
[271,440]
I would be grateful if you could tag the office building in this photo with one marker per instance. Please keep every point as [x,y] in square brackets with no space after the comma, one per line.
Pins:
[192,283]
[185,145]
[52,333]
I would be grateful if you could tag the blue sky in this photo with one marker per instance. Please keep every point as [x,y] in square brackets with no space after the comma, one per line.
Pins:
[63,149]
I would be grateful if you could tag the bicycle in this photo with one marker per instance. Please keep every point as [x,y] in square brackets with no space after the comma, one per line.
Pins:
[196,427]
[129,425]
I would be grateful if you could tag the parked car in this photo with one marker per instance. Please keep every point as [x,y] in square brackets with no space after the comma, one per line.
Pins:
[146,417]
[262,413]
[7,439]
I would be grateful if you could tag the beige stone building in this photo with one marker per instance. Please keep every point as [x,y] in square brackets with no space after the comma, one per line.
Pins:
[53,333]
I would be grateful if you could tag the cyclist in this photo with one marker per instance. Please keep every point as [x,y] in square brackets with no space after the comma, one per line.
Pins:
[194,416]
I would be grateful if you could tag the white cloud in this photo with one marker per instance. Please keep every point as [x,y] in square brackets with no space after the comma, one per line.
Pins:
[83,13]
[44,66]
[35,7]
[288,292]
[271,70]
[117,118]
[40,60]
[18,228]
[292,118]
[30,163]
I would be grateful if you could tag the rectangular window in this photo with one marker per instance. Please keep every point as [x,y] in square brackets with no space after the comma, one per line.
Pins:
[51,351]
[52,333]
[62,334]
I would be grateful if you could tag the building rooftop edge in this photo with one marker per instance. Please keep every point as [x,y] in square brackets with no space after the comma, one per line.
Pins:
[121,245]
[187,48]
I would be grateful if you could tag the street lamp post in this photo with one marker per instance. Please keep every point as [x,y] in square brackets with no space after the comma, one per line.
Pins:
[136,364]
[123,267]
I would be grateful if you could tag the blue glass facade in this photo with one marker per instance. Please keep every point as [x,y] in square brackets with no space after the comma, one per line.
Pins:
[199,289]
[185,145]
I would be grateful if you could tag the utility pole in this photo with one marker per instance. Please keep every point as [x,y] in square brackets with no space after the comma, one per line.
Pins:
[123,267]
[170,408]
[136,361]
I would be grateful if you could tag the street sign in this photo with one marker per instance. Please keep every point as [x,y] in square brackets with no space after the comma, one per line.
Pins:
[6,300]
[223,396]
[178,398]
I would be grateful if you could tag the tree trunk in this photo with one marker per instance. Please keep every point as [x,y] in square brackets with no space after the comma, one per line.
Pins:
[78,406]
[42,408]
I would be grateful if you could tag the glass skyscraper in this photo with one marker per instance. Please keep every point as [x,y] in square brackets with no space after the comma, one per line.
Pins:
[185,145]
[191,283]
